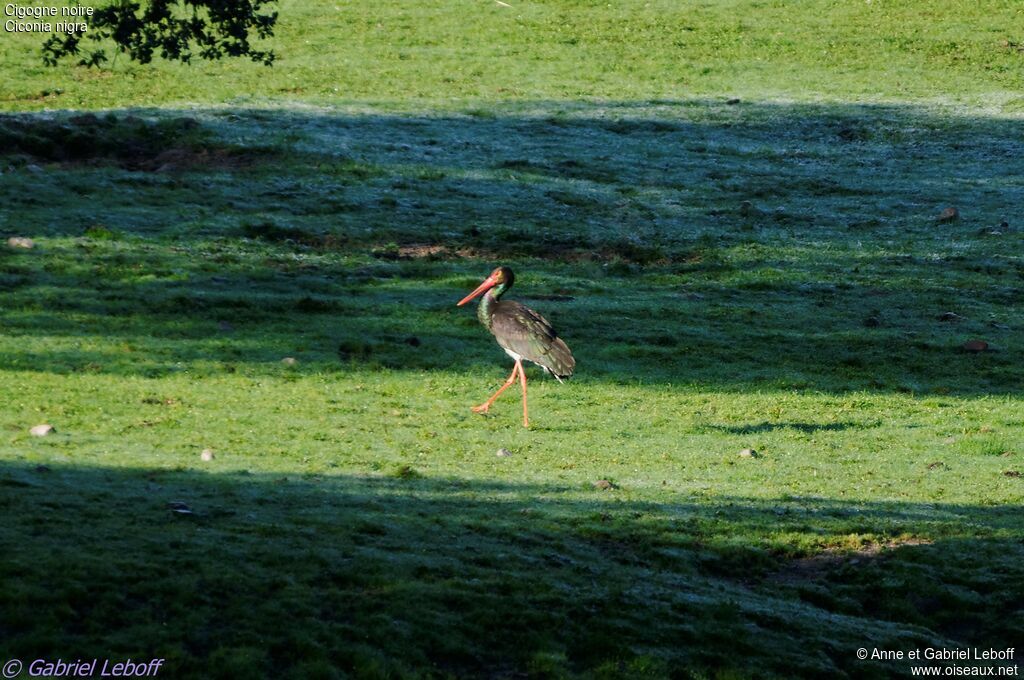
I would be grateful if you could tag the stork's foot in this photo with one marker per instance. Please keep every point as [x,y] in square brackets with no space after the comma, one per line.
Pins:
[517,371]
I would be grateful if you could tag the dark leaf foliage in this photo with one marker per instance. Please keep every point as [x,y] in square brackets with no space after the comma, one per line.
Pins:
[176,30]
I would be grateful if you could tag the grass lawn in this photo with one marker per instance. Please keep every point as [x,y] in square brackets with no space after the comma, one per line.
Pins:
[441,54]
[768,273]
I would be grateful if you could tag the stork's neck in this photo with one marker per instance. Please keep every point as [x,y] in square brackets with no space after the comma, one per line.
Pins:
[485,310]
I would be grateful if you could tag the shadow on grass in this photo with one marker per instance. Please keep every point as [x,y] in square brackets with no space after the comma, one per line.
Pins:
[731,247]
[300,576]
[807,428]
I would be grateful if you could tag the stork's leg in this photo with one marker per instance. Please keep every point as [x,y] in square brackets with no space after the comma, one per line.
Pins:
[522,377]
[482,408]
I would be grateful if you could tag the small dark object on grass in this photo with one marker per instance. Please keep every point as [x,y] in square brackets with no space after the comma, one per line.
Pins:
[975,346]
[42,468]
[732,102]
[354,350]
[872,322]
[749,453]
[1013,473]
[950,316]
[503,453]
[412,341]
[605,485]
[950,214]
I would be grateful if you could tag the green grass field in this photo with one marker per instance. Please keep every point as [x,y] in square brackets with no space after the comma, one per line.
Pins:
[767,273]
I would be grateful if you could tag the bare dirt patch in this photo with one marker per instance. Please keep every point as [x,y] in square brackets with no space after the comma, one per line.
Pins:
[435,251]
[815,567]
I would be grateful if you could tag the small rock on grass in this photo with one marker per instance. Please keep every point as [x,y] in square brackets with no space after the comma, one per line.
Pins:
[605,485]
[749,453]
[179,508]
[42,430]
[950,214]
[206,455]
[21,242]
[503,453]
[289,361]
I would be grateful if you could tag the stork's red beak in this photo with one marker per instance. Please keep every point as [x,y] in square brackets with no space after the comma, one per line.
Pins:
[489,282]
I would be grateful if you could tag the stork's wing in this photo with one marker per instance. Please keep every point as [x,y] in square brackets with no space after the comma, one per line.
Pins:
[525,332]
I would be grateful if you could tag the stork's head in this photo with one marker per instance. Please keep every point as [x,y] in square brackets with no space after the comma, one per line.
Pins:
[500,279]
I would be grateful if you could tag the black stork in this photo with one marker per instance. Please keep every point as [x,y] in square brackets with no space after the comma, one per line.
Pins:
[522,333]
